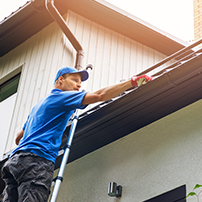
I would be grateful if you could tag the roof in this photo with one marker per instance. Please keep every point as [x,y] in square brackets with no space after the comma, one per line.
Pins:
[18,27]
[174,89]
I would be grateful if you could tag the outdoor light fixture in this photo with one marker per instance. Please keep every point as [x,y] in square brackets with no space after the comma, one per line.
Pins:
[114,190]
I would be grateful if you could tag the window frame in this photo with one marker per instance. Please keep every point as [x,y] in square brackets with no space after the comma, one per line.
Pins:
[11,86]
[5,79]
[176,195]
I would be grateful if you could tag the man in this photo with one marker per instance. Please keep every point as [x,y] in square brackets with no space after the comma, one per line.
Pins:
[28,172]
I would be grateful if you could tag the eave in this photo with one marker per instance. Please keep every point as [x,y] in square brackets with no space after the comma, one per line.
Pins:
[33,17]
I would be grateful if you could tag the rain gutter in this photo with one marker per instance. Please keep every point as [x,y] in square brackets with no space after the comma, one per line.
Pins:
[117,118]
[49,4]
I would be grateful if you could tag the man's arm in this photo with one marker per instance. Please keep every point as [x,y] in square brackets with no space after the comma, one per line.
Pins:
[19,136]
[109,92]
[106,93]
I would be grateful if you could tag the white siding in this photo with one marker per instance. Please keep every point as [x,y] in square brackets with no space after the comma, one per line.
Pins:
[41,57]
[113,56]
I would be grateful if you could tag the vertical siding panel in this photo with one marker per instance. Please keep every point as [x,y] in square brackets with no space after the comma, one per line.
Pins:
[133,58]
[79,28]
[42,56]
[105,77]
[92,53]
[23,52]
[120,60]
[32,73]
[145,57]
[66,54]
[126,61]
[151,57]
[85,41]
[47,60]
[70,53]
[20,105]
[18,116]
[56,63]
[45,40]
[73,22]
[27,80]
[98,59]
[113,58]
[14,59]
[139,58]
[8,62]
[19,56]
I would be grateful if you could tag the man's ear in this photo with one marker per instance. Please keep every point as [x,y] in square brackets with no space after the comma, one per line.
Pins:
[60,78]
[58,81]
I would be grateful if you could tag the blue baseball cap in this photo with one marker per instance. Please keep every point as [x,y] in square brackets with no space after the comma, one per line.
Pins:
[71,70]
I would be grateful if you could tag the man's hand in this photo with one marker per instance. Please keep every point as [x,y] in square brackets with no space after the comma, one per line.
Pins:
[140,80]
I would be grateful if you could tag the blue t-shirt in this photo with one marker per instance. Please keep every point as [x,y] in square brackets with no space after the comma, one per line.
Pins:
[47,121]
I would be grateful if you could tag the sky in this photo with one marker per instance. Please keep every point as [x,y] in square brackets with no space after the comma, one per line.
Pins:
[172,16]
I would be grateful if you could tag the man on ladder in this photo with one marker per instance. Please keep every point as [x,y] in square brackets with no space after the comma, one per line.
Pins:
[29,171]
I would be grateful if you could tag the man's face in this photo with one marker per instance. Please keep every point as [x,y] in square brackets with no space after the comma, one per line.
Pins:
[71,82]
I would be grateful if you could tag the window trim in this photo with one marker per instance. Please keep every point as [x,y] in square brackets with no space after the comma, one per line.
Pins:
[175,195]
[10,84]
[11,74]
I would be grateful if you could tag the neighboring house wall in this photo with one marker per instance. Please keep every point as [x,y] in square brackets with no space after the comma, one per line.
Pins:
[197,19]
[153,160]
[113,56]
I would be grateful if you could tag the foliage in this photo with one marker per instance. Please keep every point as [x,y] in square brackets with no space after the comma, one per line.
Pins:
[194,193]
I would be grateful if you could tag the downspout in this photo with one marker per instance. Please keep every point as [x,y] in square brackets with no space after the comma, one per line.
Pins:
[49,4]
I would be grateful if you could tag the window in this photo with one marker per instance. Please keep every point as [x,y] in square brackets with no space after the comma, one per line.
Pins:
[175,195]
[9,87]
[8,93]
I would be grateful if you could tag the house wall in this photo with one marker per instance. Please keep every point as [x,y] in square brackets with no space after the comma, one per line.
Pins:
[197,19]
[38,58]
[153,160]
[113,56]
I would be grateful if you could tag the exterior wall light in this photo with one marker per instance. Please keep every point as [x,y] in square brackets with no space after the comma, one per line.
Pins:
[114,190]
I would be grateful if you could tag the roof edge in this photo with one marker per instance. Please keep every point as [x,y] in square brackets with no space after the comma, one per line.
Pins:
[139,20]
